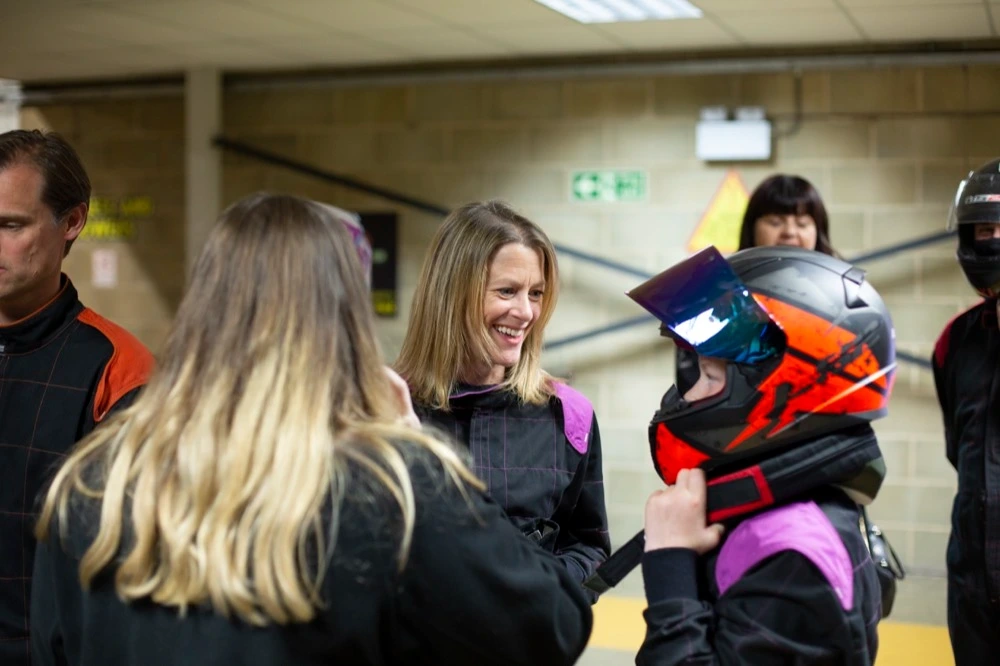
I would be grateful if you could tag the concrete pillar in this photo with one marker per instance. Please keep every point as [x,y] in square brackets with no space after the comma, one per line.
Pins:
[10,105]
[203,163]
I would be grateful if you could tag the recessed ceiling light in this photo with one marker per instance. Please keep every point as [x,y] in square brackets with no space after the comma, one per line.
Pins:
[613,11]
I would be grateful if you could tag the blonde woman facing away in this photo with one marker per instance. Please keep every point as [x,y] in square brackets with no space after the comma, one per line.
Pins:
[265,502]
[471,357]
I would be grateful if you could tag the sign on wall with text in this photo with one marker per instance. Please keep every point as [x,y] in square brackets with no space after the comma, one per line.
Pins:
[609,186]
[115,218]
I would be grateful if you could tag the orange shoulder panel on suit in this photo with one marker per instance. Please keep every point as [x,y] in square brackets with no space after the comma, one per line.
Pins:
[127,369]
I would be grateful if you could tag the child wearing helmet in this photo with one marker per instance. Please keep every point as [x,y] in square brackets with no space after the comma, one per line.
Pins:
[753,553]
[965,360]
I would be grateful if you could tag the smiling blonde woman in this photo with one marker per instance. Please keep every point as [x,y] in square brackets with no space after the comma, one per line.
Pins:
[472,358]
[263,501]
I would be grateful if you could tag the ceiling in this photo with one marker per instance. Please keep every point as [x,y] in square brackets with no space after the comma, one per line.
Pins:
[85,39]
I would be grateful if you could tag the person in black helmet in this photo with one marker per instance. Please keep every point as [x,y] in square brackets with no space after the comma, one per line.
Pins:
[968,397]
[753,553]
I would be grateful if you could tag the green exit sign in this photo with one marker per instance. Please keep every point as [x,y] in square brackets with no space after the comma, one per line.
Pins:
[611,186]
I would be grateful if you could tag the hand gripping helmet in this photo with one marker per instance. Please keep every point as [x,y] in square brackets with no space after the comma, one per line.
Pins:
[977,201]
[809,344]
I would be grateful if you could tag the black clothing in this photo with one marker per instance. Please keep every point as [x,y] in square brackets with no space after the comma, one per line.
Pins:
[974,629]
[547,487]
[965,360]
[781,611]
[473,591]
[687,370]
[62,369]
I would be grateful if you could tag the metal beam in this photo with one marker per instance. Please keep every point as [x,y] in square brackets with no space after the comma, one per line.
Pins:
[874,255]
[248,150]
[912,244]
[275,159]
[917,54]
[649,319]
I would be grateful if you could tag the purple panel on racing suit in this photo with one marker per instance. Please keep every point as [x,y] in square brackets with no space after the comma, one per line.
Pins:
[802,527]
[578,415]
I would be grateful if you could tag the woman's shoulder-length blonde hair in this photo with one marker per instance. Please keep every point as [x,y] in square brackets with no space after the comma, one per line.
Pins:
[223,483]
[447,332]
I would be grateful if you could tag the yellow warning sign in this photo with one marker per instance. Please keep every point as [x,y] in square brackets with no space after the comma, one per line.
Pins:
[720,225]
[116,218]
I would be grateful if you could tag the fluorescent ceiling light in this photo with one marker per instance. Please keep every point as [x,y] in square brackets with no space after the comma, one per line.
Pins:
[613,11]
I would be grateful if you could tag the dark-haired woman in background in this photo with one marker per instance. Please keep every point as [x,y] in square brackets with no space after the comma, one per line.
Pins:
[786,210]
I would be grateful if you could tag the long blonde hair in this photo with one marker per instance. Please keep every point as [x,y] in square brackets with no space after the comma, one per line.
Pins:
[447,331]
[223,482]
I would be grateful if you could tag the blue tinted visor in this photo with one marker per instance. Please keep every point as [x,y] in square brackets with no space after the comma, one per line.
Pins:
[704,305]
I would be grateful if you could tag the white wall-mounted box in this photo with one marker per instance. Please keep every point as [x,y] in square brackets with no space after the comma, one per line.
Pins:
[733,140]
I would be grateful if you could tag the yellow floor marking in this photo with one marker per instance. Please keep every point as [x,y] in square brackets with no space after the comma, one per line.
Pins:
[618,625]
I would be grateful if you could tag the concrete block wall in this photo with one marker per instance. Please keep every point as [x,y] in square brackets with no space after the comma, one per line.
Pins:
[885,147]
[131,148]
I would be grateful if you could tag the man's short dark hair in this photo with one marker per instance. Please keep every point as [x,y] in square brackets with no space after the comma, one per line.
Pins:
[66,184]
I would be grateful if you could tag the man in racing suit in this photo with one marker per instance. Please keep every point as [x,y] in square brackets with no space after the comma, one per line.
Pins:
[966,360]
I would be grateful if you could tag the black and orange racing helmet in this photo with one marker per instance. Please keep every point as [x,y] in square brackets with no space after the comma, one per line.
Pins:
[809,342]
